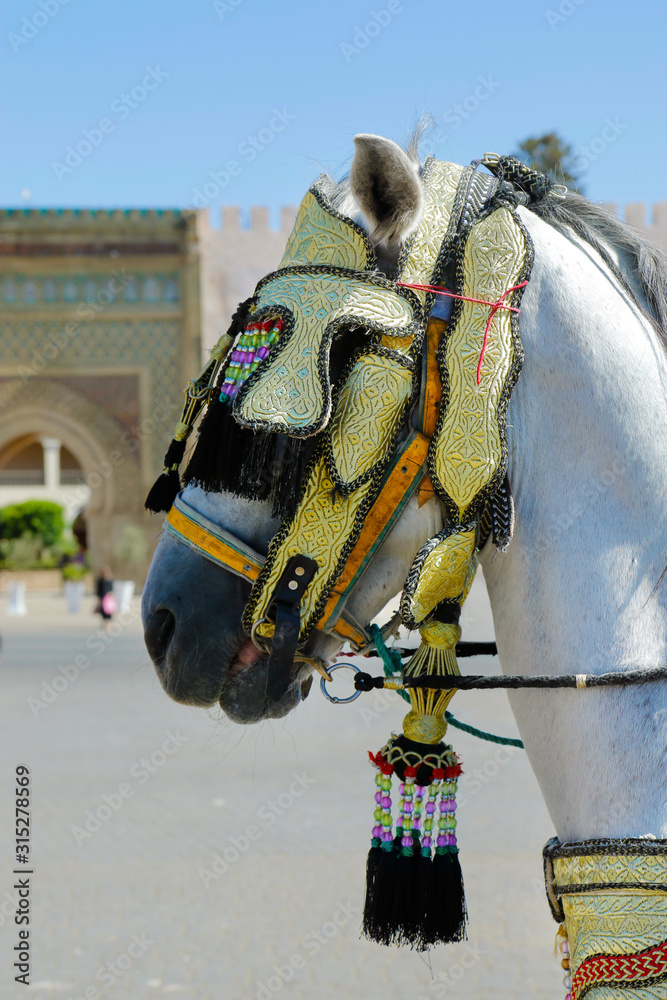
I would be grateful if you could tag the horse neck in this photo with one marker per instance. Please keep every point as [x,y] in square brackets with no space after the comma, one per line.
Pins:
[580,588]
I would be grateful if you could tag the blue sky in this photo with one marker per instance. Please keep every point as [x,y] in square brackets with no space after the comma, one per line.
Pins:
[263,95]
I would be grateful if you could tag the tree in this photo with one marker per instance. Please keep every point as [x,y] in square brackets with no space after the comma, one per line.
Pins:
[34,518]
[552,156]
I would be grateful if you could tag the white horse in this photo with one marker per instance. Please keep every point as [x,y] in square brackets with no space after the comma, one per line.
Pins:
[581,587]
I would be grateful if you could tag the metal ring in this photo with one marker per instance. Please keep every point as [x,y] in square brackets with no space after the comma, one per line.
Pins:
[262,644]
[491,158]
[558,191]
[323,684]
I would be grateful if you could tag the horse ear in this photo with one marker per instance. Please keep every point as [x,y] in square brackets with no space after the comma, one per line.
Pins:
[385,182]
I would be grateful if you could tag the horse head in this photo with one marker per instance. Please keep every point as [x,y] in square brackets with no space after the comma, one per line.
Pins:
[193,607]
[330,473]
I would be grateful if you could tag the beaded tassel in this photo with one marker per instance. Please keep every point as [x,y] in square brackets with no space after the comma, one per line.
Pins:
[414,884]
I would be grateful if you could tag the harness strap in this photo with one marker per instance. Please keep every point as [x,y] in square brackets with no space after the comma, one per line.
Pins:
[212,541]
[406,473]
[285,606]
[221,547]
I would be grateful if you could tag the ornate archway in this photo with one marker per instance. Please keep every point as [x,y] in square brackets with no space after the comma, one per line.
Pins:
[108,456]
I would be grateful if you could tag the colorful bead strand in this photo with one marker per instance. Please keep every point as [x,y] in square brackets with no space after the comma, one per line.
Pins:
[252,347]
[563,945]
[405,822]
[429,818]
[446,840]
[382,829]
[417,816]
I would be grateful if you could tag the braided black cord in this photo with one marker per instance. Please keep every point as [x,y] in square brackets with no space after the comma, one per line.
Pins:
[479,682]
[522,177]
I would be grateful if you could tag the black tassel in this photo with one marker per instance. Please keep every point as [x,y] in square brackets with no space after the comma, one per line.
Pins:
[408,910]
[163,492]
[222,447]
[175,453]
[167,486]
[446,912]
[380,891]
[413,900]
[257,465]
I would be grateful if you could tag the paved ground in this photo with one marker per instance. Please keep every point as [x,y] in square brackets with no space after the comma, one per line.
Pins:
[231,861]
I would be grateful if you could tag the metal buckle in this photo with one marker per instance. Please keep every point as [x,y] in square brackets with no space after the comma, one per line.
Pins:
[262,644]
[558,191]
[329,671]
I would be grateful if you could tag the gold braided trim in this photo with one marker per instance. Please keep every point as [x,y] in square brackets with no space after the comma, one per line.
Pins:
[397,754]
[629,870]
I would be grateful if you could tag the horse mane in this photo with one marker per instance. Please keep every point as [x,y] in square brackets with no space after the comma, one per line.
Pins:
[602,230]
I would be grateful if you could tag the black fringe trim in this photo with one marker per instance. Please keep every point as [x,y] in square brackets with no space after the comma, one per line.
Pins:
[257,465]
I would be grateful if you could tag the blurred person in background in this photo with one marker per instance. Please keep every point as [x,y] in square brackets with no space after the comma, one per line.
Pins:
[106,603]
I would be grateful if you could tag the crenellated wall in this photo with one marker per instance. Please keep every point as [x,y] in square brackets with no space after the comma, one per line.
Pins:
[233,259]
[652,224]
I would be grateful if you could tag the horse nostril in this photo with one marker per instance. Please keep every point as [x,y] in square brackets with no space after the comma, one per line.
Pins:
[158,633]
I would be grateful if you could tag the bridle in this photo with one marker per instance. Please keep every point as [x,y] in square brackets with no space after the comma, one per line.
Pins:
[406,476]
[407,472]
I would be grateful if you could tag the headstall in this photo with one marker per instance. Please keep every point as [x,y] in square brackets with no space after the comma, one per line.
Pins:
[419,409]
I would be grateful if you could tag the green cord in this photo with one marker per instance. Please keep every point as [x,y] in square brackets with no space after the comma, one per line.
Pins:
[393,664]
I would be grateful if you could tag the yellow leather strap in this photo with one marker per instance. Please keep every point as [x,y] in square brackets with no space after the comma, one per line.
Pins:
[223,548]
[407,472]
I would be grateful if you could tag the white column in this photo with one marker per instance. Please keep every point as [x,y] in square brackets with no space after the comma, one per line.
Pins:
[51,448]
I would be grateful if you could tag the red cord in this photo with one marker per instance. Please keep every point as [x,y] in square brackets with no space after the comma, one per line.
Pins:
[495,306]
